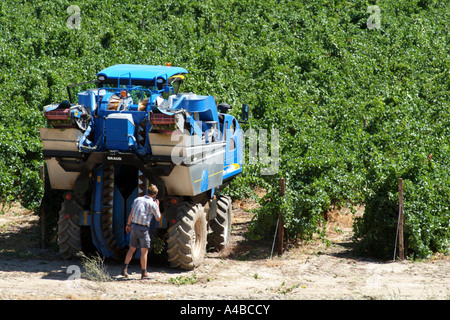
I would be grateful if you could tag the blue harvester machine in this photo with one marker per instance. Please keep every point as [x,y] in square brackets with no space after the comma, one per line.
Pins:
[134,129]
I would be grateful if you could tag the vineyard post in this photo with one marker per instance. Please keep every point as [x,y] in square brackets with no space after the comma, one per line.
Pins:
[42,209]
[280,219]
[400,220]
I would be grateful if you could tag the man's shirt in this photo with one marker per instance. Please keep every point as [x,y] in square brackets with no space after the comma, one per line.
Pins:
[144,208]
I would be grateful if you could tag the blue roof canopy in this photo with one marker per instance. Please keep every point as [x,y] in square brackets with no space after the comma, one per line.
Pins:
[139,74]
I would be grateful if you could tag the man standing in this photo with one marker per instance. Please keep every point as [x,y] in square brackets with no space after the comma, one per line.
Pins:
[142,212]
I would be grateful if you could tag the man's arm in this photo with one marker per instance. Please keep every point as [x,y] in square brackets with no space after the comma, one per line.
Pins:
[128,227]
[156,213]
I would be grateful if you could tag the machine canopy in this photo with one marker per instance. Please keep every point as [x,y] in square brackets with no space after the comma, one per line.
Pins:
[137,74]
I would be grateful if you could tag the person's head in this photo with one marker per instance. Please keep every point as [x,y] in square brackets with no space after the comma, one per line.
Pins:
[152,190]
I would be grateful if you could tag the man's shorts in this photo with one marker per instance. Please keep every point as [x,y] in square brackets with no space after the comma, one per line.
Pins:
[140,236]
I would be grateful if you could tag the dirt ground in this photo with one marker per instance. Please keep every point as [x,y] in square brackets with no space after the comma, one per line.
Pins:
[244,270]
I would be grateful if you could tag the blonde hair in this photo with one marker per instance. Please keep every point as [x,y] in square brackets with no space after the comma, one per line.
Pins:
[152,190]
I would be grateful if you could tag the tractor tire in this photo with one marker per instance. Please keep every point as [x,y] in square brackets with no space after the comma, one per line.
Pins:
[69,235]
[220,227]
[106,221]
[186,243]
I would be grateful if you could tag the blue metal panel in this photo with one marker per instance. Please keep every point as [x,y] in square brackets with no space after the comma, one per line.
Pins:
[119,132]
[231,170]
[205,106]
[99,130]
[229,134]
[233,147]
[84,99]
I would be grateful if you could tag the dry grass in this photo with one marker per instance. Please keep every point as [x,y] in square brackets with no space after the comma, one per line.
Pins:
[95,269]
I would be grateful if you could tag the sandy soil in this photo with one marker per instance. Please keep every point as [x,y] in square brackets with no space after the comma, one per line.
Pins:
[243,270]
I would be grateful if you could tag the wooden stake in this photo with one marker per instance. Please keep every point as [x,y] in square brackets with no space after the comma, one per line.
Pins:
[42,209]
[401,247]
[280,220]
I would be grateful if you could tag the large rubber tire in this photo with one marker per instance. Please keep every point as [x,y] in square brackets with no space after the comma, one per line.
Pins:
[107,220]
[220,227]
[69,235]
[186,243]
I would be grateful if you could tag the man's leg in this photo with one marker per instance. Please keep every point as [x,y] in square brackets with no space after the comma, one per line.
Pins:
[128,258]
[145,245]
[144,252]
[129,255]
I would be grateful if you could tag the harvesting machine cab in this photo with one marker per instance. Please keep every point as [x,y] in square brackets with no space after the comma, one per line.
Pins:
[134,129]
